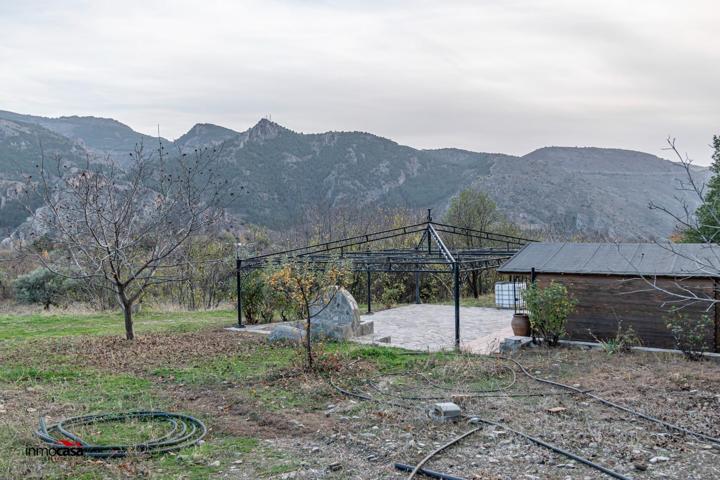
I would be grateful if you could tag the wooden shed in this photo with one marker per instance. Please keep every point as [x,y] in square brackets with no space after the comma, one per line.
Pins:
[629,283]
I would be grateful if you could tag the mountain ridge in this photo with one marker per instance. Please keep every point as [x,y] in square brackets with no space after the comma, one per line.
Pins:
[572,190]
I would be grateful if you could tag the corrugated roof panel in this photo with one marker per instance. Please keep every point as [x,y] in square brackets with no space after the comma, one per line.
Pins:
[650,259]
[573,256]
[534,254]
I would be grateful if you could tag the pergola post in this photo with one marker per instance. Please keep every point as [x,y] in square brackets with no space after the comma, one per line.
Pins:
[238,266]
[456,294]
[417,287]
[369,294]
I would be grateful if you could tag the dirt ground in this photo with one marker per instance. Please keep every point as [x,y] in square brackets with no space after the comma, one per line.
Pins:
[269,419]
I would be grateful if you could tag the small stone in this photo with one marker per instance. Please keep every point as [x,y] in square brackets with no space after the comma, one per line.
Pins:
[238,462]
[315,450]
[556,409]
[31,410]
[659,459]
[334,467]
[216,463]
[640,466]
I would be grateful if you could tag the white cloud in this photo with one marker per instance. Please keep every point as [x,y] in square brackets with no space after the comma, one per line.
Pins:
[505,76]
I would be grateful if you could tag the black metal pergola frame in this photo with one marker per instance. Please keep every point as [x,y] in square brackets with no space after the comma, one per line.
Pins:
[429,255]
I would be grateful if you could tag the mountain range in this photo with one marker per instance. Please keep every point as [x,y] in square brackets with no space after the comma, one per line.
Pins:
[593,192]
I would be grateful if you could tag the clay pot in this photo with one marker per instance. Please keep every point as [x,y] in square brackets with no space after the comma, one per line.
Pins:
[521,325]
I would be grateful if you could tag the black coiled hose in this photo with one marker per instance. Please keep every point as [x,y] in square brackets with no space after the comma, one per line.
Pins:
[184,431]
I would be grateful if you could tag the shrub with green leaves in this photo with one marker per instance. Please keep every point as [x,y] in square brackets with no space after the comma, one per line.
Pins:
[549,308]
[40,286]
[691,334]
[255,293]
[391,294]
[622,342]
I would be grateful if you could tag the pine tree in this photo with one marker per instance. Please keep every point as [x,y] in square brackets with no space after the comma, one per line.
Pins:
[707,228]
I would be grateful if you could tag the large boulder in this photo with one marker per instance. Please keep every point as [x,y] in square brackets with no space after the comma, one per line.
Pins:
[335,315]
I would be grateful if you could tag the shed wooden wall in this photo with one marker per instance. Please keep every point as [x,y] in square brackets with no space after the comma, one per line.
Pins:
[604,299]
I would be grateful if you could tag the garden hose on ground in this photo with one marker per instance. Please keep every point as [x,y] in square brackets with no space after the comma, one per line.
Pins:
[184,431]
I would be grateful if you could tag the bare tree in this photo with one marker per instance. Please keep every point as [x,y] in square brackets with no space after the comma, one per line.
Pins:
[703,229]
[124,227]
[691,189]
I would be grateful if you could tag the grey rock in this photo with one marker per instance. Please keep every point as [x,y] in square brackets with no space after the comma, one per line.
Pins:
[286,334]
[335,316]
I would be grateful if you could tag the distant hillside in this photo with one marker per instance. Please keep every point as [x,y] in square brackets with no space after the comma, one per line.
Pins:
[590,191]
[101,136]
[21,147]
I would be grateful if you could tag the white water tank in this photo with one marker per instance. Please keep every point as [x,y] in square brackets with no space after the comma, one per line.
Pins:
[508,293]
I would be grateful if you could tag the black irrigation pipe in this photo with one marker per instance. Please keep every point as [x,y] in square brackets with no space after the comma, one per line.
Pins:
[542,443]
[427,472]
[614,405]
[604,401]
[559,450]
[185,431]
[440,449]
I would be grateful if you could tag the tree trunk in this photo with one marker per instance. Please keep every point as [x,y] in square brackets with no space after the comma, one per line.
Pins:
[474,284]
[308,328]
[129,330]
[308,345]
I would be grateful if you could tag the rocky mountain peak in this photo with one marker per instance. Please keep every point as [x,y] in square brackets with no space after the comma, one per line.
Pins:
[265,130]
[204,134]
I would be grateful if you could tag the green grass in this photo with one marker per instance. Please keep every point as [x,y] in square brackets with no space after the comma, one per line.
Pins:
[20,327]
[122,433]
[101,392]
[242,367]
[386,358]
[27,373]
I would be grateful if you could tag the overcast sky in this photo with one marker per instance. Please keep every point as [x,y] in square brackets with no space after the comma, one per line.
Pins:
[500,76]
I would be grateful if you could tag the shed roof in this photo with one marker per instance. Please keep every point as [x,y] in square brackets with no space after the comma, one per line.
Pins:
[646,259]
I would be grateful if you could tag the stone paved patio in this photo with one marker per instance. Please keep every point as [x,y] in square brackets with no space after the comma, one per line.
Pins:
[432,327]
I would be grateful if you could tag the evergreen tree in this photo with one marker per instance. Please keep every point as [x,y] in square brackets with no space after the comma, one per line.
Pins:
[707,226]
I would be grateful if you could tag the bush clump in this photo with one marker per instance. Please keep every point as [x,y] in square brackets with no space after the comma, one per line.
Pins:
[549,308]
[691,335]
[622,342]
[41,286]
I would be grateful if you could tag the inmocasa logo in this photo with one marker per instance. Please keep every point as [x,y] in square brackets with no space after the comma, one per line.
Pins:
[69,448]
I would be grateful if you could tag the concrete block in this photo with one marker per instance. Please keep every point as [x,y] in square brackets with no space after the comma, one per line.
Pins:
[445,411]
